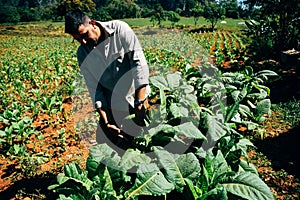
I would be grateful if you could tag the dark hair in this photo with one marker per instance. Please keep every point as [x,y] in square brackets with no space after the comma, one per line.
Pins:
[73,20]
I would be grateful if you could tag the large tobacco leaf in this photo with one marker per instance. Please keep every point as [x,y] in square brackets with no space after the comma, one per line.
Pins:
[247,185]
[75,184]
[188,130]
[218,179]
[178,167]
[132,158]
[100,156]
[216,130]
[149,181]
[263,107]
[108,191]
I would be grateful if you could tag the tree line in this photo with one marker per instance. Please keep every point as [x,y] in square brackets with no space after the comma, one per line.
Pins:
[274,25]
[36,10]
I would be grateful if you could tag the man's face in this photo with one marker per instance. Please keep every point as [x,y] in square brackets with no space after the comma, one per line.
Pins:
[87,34]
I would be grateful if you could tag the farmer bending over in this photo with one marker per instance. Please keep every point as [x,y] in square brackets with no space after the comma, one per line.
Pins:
[115,71]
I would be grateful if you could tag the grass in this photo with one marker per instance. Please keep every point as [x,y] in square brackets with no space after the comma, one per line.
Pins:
[231,24]
[291,111]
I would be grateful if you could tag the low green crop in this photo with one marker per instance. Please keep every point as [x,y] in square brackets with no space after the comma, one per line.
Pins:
[209,167]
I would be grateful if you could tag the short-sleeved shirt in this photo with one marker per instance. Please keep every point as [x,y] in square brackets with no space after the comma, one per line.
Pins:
[114,68]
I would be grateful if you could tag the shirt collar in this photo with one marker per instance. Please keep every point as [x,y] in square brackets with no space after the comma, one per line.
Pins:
[105,26]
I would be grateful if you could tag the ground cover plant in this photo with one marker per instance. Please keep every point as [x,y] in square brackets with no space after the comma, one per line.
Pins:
[196,106]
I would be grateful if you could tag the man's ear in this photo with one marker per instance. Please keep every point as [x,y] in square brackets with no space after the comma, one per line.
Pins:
[92,22]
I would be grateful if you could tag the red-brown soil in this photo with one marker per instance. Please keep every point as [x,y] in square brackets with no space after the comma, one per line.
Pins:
[275,156]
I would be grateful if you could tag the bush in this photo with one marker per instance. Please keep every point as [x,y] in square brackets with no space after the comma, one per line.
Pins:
[173,17]
[9,14]
[101,15]
[28,15]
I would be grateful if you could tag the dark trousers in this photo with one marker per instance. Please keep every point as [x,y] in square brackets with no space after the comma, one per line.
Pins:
[130,129]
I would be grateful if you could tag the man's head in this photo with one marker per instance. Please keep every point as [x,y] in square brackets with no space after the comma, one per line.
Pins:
[82,28]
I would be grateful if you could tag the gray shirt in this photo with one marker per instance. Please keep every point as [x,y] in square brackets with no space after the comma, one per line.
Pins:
[115,68]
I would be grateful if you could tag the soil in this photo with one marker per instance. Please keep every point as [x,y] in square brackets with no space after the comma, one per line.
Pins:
[275,156]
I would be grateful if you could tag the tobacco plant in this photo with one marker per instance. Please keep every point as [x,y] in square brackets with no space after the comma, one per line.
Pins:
[240,96]
[208,167]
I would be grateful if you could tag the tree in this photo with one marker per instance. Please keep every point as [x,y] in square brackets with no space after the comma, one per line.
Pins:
[101,14]
[158,15]
[29,14]
[231,7]
[85,5]
[173,17]
[9,14]
[276,22]
[186,6]
[119,9]
[213,13]
[196,12]
[101,3]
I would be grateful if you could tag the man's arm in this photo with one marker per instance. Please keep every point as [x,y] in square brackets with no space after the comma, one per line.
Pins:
[140,94]
[104,117]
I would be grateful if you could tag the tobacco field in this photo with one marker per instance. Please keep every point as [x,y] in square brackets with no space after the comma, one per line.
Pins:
[217,126]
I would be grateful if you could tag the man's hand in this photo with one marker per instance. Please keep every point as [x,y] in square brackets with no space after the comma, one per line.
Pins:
[115,130]
[140,114]
[140,105]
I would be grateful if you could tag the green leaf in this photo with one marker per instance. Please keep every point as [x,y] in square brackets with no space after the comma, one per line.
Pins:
[189,99]
[71,197]
[2,134]
[189,130]
[159,82]
[261,95]
[108,191]
[251,125]
[215,131]
[178,167]
[189,165]
[215,193]
[204,179]
[194,190]
[173,80]
[248,186]
[245,110]
[219,166]
[149,181]
[238,96]
[104,155]
[61,178]
[74,172]
[231,111]
[133,158]
[172,170]
[74,182]
[263,107]
[163,103]
[249,70]
[187,89]
[178,111]
[248,167]
[166,128]
[266,73]
[243,145]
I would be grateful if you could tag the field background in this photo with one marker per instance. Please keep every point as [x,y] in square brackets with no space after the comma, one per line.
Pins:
[38,66]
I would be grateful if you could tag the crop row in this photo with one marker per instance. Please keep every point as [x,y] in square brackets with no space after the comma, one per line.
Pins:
[191,148]
[37,75]
[227,48]
[197,109]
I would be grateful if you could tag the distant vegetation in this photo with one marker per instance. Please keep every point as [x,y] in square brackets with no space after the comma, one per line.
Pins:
[274,26]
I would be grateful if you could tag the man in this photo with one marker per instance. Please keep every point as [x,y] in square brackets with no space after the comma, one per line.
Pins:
[115,71]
